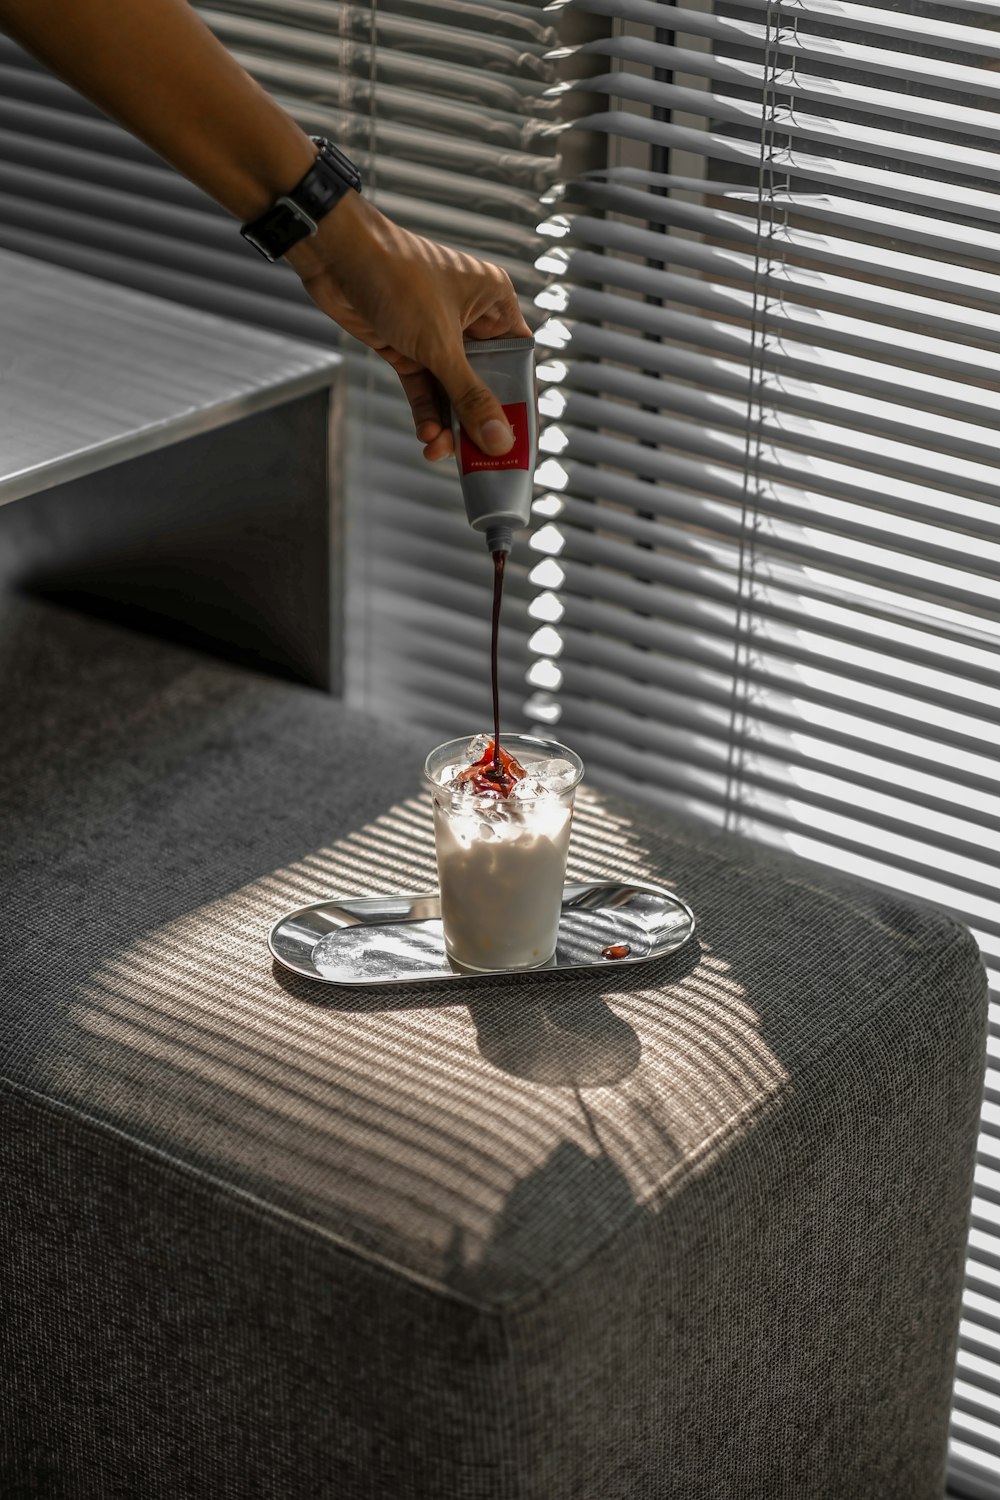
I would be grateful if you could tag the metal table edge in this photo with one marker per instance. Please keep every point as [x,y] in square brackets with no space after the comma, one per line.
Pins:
[149,439]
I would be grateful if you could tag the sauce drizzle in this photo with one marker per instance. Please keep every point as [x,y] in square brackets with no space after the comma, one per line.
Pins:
[499,560]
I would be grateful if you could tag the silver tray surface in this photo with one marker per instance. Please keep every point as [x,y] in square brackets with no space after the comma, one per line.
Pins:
[398,939]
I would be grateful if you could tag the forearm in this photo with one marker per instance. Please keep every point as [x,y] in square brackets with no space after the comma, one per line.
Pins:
[154,66]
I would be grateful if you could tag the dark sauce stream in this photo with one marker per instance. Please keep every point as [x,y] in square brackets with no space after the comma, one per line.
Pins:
[499,560]
[495,773]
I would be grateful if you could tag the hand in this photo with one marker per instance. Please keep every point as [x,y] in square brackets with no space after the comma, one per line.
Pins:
[412,300]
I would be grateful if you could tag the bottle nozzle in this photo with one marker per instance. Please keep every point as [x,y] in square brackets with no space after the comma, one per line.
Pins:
[499,538]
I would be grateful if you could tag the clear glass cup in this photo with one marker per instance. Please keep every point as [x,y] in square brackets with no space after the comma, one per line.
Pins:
[501,862]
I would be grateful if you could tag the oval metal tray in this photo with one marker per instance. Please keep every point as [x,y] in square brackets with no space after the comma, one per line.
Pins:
[398,939]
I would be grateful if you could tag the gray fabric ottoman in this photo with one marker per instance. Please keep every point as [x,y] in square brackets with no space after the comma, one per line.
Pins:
[688,1230]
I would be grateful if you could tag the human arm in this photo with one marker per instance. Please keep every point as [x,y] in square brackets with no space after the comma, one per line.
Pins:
[154,66]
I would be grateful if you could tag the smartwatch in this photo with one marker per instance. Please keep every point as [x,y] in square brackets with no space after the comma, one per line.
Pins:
[297,213]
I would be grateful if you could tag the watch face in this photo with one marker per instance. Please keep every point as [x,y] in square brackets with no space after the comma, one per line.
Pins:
[276,232]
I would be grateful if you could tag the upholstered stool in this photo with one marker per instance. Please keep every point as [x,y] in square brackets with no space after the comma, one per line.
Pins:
[693,1229]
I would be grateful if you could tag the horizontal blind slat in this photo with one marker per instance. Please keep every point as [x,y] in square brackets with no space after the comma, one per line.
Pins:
[791,516]
[793,470]
[788,286]
[797,163]
[869,354]
[710,617]
[730,218]
[794,123]
[801,49]
[508,19]
[908,26]
[413,36]
[864,19]
[823,446]
[892,347]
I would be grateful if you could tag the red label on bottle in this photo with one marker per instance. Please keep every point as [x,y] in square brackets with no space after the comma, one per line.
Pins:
[474,460]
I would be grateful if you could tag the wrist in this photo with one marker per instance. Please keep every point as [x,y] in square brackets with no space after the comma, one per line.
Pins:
[352,232]
[297,212]
[270,174]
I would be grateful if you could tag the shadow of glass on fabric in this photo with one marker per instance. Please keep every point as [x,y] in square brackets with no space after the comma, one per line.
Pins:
[541,1028]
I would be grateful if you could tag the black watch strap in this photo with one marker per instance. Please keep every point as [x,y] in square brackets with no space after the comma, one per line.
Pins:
[297,213]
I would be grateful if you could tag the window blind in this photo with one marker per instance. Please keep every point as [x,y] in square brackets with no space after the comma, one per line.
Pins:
[768,558]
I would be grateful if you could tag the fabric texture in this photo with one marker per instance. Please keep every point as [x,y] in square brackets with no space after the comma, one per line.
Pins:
[693,1229]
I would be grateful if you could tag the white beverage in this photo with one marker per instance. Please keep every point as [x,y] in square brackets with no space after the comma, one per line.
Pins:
[502,860]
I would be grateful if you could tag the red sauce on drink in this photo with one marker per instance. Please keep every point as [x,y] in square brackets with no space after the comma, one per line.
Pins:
[616,950]
[494,773]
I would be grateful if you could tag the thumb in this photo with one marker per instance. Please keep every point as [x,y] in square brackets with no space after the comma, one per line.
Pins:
[475,405]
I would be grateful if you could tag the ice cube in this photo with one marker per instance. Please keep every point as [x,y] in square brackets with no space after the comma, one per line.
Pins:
[528,789]
[554,775]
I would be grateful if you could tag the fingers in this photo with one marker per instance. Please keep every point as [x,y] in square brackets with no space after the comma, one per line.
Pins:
[475,405]
[424,395]
[429,419]
[442,446]
[504,319]
[499,324]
